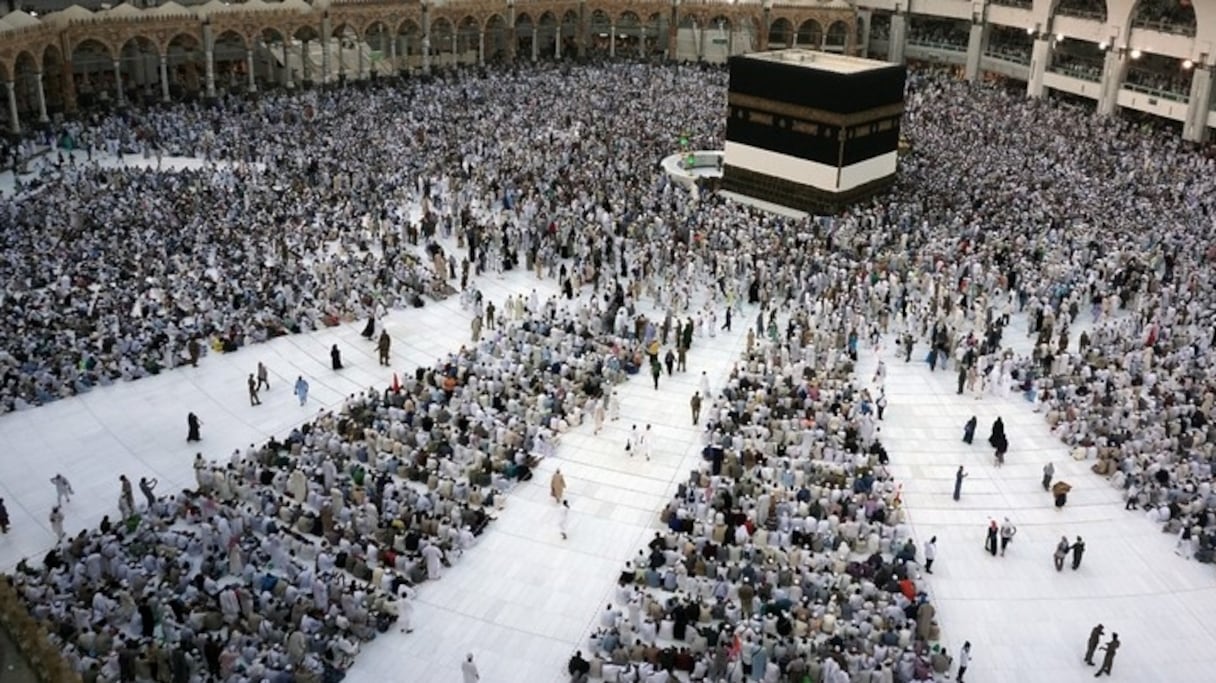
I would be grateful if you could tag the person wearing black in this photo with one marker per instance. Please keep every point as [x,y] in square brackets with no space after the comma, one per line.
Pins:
[998,441]
[1078,549]
[335,357]
[192,426]
[969,430]
[578,668]
[1095,636]
[1109,658]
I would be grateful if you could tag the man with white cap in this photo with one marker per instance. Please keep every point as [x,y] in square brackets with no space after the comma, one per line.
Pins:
[469,669]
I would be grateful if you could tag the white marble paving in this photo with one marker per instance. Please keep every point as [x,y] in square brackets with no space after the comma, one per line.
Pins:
[523,598]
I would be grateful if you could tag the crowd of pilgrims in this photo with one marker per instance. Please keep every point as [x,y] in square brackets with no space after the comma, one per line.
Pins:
[787,552]
[285,558]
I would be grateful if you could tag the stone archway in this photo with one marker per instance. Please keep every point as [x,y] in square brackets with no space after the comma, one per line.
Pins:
[571,34]
[379,42]
[272,66]
[496,39]
[139,69]
[468,41]
[346,56]
[746,35]
[837,37]
[93,74]
[781,34]
[810,35]
[629,36]
[230,54]
[546,35]
[305,57]
[26,75]
[525,36]
[54,83]
[719,39]
[599,28]
[186,66]
[443,41]
[409,46]
[654,30]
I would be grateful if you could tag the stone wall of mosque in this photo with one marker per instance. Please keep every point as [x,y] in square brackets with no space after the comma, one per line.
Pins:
[76,58]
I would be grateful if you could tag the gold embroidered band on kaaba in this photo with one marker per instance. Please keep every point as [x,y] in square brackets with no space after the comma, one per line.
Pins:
[768,106]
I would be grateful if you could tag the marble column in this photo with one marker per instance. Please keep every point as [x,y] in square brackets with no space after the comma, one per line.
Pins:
[164,78]
[975,50]
[324,60]
[426,54]
[897,44]
[253,81]
[286,68]
[392,54]
[1040,56]
[1195,128]
[210,73]
[535,43]
[13,122]
[557,42]
[612,40]
[118,82]
[481,48]
[1113,71]
[42,117]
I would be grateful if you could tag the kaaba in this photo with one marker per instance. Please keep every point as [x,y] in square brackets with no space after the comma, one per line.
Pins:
[812,131]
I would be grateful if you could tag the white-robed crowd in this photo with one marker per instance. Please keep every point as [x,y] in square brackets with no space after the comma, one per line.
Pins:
[786,554]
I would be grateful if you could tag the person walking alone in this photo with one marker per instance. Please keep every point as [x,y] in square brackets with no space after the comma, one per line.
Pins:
[192,428]
[1078,549]
[564,522]
[4,520]
[383,347]
[557,485]
[964,660]
[1109,658]
[930,554]
[969,430]
[1095,636]
[998,441]
[1049,471]
[469,670]
[301,389]
[63,489]
[959,476]
[263,376]
[695,404]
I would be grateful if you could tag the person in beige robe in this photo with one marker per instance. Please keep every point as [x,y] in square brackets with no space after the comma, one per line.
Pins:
[557,486]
